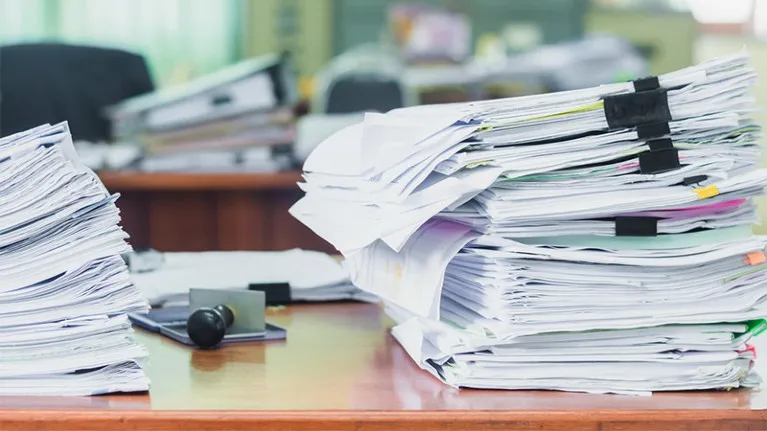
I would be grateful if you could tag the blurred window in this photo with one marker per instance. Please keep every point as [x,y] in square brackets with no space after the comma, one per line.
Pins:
[180,39]
[760,18]
[721,11]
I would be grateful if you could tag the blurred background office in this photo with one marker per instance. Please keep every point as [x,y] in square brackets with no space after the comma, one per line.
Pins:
[200,112]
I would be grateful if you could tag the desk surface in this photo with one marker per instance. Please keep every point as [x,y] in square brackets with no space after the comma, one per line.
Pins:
[341,370]
[120,181]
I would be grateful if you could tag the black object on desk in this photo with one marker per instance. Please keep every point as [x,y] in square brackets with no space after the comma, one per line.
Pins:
[276,293]
[214,317]
[172,323]
[207,326]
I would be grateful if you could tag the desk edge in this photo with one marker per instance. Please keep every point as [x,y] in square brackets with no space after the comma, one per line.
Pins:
[117,181]
[342,420]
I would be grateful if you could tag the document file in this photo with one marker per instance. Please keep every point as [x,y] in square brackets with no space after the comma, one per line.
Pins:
[66,291]
[321,278]
[595,240]
[238,118]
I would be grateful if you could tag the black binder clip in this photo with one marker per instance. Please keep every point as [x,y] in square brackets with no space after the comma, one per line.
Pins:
[693,180]
[636,226]
[646,84]
[662,157]
[653,130]
[631,109]
[660,144]
[656,162]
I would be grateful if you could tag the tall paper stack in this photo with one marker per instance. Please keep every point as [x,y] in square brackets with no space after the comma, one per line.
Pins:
[66,291]
[595,240]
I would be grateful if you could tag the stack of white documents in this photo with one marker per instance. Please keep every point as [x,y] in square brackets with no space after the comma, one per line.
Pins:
[595,240]
[66,291]
[313,276]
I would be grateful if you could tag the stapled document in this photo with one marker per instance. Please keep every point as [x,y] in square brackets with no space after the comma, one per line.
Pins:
[596,240]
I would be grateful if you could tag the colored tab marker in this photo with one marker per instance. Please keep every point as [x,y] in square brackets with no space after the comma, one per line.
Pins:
[707,192]
[748,349]
[485,127]
[755,258]
[756,327]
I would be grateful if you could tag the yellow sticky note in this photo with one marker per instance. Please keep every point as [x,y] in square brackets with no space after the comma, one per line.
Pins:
[707,192]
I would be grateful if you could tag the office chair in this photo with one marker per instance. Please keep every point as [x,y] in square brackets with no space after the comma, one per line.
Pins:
[53,82]
[367,78]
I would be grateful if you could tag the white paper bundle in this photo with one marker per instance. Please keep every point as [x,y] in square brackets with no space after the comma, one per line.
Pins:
[322,277]
[66,291]
[595,240]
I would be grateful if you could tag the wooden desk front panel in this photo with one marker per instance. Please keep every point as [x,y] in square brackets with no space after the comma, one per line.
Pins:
[198,220]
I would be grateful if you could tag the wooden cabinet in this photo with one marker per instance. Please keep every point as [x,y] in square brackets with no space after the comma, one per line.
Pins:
[195,212]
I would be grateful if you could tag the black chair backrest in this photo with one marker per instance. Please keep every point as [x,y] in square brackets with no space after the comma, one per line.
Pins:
[358,93]
[54,82]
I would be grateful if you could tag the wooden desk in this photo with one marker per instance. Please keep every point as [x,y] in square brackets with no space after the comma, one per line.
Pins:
[340,370]
[196,212]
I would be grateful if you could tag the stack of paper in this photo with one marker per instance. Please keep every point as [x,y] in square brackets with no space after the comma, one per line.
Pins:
[594,240]
[66,291]
[320,278]
[211,122]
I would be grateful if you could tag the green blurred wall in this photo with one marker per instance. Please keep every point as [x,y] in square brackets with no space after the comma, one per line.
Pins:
[315,30]
[360,21]
[667,37]
[303,27]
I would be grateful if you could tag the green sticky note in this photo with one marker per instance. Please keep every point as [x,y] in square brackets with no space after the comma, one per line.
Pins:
[756,327]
